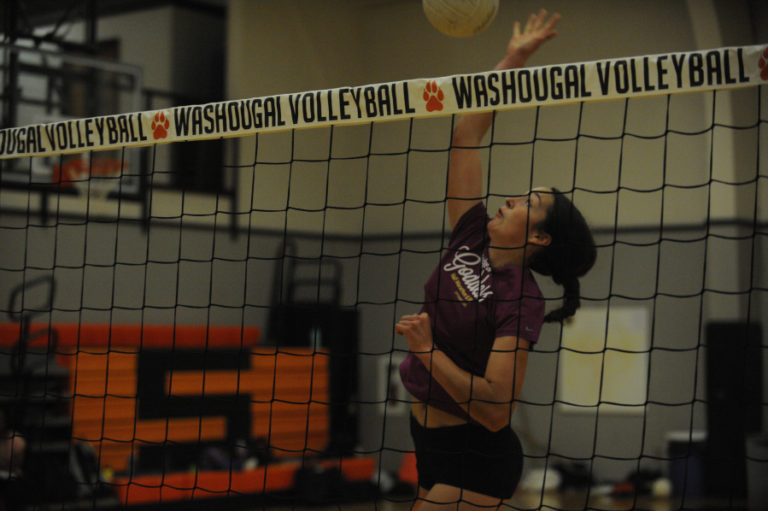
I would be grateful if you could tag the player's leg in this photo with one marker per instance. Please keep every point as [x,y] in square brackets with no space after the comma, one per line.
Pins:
[443,497]
[420,496]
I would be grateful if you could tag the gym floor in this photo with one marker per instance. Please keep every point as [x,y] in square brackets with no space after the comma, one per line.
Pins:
[565,501]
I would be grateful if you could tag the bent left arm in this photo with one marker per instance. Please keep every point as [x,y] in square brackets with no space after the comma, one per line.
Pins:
[488,399]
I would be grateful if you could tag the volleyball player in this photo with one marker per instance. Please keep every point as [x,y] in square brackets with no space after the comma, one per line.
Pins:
[483,310]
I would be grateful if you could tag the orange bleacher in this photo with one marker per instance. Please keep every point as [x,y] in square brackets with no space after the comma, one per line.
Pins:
[288,390]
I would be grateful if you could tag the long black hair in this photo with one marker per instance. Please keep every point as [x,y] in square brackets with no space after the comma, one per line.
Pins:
[570,254]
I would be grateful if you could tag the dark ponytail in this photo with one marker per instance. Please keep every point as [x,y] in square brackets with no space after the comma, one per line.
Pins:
[571,302]
[570,254]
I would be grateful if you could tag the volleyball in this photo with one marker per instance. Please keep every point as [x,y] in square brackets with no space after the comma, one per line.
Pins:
[460,18]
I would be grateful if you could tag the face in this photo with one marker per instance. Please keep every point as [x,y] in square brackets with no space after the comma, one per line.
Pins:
[515,221]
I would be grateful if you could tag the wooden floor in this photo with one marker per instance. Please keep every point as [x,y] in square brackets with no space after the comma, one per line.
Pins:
[580,501]
[555,501]
[550,501]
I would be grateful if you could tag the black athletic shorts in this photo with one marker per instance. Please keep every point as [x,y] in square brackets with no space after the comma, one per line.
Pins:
[468,457]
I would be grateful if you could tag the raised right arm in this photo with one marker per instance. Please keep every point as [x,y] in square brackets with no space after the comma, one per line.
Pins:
[465,179]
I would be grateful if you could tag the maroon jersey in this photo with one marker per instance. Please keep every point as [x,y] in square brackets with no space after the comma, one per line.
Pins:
[470,304]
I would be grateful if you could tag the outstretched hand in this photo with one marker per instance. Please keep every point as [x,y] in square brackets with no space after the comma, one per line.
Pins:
[417,331]
[538,29]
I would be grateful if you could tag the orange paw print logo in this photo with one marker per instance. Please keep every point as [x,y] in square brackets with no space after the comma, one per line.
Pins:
[434,96]
[763,63]
[160,126]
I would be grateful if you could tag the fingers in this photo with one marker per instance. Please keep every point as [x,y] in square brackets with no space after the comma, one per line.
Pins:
[540,19]
[553,21]
[405,324]
[539,22]
[411,321]
[416,330]
[549,29]
[530,23]
[415,317]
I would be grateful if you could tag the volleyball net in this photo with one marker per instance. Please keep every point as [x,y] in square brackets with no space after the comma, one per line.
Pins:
[187,323]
